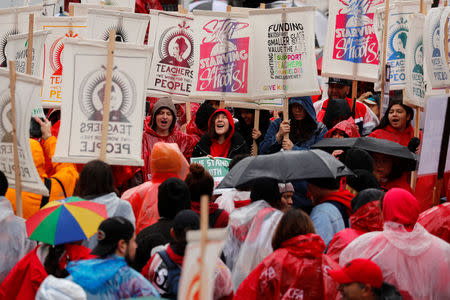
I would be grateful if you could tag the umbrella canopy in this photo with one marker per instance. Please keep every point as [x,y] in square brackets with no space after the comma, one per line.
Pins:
[406,157]
[64,221]
[285,166]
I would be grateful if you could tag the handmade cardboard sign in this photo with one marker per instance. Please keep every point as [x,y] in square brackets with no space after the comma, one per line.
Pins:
[351,49]
[14,21]
[130,27]
[27,97]
[84,81]
[173,61]
[221,56]
[284,62]
[127,3]
[80,9]
[435,63]
[62,29]
[415,80]
[189,287]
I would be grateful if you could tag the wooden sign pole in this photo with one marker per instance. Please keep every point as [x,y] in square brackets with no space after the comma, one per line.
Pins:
[181,10]
[204,224]
[354,96]
[255,126]
[17,178]
[383,66]
[30,43]
[106,100]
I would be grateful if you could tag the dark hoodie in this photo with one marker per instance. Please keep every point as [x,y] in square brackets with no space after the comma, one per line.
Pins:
[246,130]
[184,141]
[270,144]
[234,143]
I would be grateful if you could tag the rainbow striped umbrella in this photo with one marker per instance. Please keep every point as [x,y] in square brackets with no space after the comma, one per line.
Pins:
[64,221]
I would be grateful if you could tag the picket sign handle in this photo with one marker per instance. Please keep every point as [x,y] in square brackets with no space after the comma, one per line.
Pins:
[204,224]
[106,101]
[255,126]
[383,69]
[71,10]
[262,5]
[30,43]
[354,94]
[17,178]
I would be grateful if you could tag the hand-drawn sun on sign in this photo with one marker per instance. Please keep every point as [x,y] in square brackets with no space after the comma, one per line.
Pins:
[3,41]
[5,118]
[121,33]
[176,46]
[56,51]
[92,95]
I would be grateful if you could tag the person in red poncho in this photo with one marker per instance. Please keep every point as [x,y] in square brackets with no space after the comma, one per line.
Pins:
[344,129]
[200,183]
[23,281]
[221,140]
[366,217]
[161,128]
[436,221]
[296,268]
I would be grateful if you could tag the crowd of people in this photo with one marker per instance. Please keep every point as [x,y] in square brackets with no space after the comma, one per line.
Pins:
[365,236]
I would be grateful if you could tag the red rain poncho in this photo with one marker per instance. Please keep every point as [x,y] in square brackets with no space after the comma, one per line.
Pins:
[366,219]
[436,221]
[348,126]
[166,161]
[295,271]
[412,259]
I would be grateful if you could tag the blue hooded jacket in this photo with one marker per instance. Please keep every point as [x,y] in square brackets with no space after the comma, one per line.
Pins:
[270,145]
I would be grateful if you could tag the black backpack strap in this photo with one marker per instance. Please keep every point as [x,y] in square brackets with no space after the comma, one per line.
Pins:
[62,186]
[165,257]
[48,185]
[343,210]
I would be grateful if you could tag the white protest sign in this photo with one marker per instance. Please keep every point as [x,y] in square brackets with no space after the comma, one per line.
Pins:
[14,21]
[221,56]
[80,9]
[217,167]
[284,62]
[432,136]
[127,3]
[62,29]
[415,80]
[84,81]
[189,286]
[173,61]
[27,97]
[435,64]
[351,48]
[130,27]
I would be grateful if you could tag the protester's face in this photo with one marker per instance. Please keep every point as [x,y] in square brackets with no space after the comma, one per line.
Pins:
[338,134]
[382,166]
[248,117]
[298,112]
[130,252]
[221,124]
[164,119]
[352,291]
[398,118]
[337,91]
[286,200]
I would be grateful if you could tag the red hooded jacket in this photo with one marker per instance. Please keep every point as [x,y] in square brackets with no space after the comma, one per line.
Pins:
[348,126]
[297,270]
[391,134]
[366,219]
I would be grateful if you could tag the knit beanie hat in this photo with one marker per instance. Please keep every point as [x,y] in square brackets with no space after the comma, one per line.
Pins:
[286,187]
[362,180]
[199,181]
[173,197]
[202,116]
[358,159]
[364,197]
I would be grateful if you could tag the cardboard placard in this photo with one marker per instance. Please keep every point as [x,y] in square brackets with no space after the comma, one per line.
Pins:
[123,3]
[82,110]
[62,29]
[27,97]
[81,9]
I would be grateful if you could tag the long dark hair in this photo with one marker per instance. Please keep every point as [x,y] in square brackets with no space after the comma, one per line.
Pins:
[385,119]
[303,130]
[51,263]
[212,128]
[96,179]
[293,223]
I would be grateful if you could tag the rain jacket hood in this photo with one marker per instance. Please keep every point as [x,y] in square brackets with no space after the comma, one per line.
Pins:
[348,126]
[400,206]
[217,149]
[367,218]
[162,103]
[307,245]
[306,103]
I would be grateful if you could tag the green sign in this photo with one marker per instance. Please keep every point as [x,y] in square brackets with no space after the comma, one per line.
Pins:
[217,167]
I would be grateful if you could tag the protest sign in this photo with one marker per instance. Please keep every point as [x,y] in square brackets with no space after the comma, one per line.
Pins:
[80,9]
[435,62]
[14,21]
[432,137]
[415,81]
[130,27]
[173,61]
[84,81]
[284,62]
[127,3]
[222,55]
[351,49]
[217,167]
[26,98]
[62,29]
[189,287]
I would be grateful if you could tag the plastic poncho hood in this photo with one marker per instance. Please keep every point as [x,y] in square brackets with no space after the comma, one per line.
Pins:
[347,126]
[400,206]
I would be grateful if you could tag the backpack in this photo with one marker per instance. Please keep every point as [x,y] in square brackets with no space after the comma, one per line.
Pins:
[173,276]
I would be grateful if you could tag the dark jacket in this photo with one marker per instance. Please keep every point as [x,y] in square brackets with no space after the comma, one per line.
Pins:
[246,131]
[238,146]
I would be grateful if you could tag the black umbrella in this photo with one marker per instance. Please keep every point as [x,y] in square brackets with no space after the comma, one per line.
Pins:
[406,157]
[285,166]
